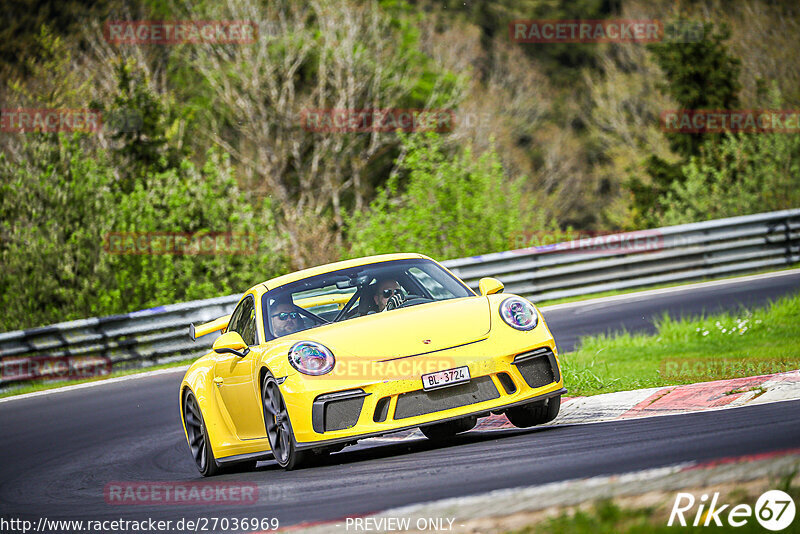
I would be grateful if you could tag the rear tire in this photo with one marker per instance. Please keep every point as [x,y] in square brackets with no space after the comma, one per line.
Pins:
[441,431]
[279,427]
[535,413]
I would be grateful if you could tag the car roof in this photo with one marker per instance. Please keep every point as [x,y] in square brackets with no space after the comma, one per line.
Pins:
[322,269]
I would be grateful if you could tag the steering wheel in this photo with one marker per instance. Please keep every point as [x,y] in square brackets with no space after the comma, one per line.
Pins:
[413,300]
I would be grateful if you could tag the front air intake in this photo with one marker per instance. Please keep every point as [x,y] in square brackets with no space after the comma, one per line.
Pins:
[423,402]
[537,367]
[337,411]
[381,410]
[507,382]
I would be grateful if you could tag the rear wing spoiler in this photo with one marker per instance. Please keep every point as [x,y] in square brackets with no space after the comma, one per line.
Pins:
[207,328]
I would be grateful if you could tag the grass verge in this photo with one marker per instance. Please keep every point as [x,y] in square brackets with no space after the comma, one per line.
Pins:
[729,345]
[608,517]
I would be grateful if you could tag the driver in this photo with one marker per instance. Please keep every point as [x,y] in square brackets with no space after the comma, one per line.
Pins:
[285,318]
[388,295]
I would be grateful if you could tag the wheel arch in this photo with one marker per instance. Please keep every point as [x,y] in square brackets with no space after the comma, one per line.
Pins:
[198,382]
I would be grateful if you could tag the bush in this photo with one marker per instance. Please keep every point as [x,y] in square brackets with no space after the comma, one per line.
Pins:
[54,211]
[700,75]
[741,174]
[442,205]
[58,209]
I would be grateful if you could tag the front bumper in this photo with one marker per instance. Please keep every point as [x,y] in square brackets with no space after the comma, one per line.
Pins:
[389,398]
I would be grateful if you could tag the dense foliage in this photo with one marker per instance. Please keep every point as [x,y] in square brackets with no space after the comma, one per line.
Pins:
[450,206]
[700,75]
[62,213]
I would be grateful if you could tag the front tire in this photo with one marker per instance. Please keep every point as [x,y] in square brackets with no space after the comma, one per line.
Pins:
[441,431]
[279,427]
[535,413]
[199,443]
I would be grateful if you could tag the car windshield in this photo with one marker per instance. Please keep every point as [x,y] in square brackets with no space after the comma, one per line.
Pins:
[356,292]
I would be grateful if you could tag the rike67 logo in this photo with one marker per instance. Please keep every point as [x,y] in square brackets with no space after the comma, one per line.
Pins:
[774,510]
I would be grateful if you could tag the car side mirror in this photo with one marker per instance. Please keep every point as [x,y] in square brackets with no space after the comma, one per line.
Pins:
[490,286]
[231,343]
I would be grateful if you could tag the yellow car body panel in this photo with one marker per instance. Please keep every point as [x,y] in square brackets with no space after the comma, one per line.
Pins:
[383,354]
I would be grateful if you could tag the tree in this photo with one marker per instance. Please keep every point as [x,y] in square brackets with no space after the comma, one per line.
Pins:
[314,55]
[139,123]
[623,127]
[60,206]
[561,61]
[737,175]
[446,205]
[700,75]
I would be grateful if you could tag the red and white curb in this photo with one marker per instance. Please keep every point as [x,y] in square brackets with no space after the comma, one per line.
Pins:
[669,400]
[665,400]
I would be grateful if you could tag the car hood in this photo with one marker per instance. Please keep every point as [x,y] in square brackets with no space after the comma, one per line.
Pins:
[407,331]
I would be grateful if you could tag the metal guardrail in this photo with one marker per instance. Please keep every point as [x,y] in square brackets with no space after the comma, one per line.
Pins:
[139,339]
[623,261]
[617,261]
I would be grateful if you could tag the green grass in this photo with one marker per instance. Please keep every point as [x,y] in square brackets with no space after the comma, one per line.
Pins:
[616,292]
[729,345]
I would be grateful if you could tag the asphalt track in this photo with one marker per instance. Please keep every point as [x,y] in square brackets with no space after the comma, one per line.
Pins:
[58,451]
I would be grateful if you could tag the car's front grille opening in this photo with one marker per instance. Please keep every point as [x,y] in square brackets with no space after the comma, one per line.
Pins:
[337,411]
[381,410]
[423,402]
[507,382]
[342,414]
[537,367]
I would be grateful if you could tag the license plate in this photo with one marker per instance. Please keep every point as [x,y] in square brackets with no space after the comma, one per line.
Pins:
[450,377]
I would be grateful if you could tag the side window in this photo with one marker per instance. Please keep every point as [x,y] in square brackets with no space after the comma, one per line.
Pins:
[235,317]
[248,323]
[243,321]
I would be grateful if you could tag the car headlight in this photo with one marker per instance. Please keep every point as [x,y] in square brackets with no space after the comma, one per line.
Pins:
[519,313]
[311,358]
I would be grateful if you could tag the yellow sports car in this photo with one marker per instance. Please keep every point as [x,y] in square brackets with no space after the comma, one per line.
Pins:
[312,361]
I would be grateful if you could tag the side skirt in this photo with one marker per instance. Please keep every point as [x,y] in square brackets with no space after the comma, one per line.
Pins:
[229,460]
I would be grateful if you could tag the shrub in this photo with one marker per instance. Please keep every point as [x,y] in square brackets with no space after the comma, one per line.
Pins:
[440,204]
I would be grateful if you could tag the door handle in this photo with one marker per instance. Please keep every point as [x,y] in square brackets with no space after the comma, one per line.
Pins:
[218,381]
